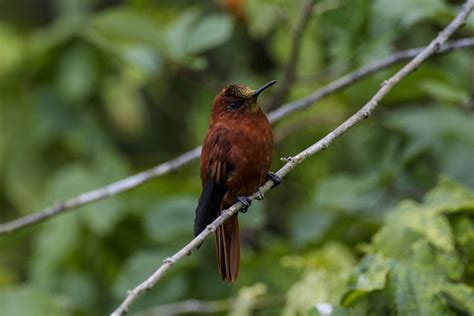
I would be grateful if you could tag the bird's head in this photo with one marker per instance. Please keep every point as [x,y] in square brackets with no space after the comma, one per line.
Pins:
[239,98]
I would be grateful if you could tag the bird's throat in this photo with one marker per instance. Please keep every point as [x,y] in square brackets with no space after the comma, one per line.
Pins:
[254,107]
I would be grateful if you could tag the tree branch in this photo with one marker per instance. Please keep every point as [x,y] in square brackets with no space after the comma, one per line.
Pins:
[296,38]
[292,162]
[359,74]
[133,181]
[109,190]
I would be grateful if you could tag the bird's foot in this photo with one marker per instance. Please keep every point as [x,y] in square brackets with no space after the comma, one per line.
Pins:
[259,196]
[274,177]
[245,202]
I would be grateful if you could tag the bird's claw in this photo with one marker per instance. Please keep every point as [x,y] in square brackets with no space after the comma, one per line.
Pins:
[245,202]
[273,177]
[259,196]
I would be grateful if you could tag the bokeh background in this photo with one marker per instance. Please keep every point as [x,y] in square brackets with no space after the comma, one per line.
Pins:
[92,91]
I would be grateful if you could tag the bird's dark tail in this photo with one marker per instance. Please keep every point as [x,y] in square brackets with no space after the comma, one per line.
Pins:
[228,249]
[208,206]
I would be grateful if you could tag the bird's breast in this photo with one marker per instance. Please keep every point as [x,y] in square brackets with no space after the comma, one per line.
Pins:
[251,154]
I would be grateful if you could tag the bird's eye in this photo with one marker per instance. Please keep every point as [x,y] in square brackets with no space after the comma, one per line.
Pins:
[235,105]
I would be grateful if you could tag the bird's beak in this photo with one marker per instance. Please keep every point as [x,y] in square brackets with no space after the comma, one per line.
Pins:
[259,90]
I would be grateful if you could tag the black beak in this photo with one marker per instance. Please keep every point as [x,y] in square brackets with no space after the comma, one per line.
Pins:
[268,85]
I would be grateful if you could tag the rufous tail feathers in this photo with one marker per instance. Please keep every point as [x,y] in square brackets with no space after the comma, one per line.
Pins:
[228,249]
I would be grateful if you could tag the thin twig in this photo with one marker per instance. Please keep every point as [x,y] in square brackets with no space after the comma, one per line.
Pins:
[135,180]
[290,67]
[292,162]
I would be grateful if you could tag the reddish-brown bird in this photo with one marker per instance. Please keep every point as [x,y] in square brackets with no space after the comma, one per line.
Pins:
[235,160]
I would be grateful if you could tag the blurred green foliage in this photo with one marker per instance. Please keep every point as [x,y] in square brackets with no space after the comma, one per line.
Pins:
[420,262]
[92,91]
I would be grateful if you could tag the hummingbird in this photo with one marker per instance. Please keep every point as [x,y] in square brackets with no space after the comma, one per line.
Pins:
[235,161]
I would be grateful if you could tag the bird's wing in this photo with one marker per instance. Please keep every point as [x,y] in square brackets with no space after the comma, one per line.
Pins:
[216,152]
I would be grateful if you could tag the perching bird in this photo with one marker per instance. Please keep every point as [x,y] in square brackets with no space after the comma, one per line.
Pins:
[235,160]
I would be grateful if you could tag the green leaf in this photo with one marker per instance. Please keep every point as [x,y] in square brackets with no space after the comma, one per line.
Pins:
[449,196]
[435,228]
[122,26]
[210,32]
[47,39]
[349,194]
[177,34]
[331,266]
[345,27]
[460,296]
[191,34]
[13,49]
[464,232]
[76,74]
[405,13]
[410,217]
[371,275]
[416,293]
[143,57]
